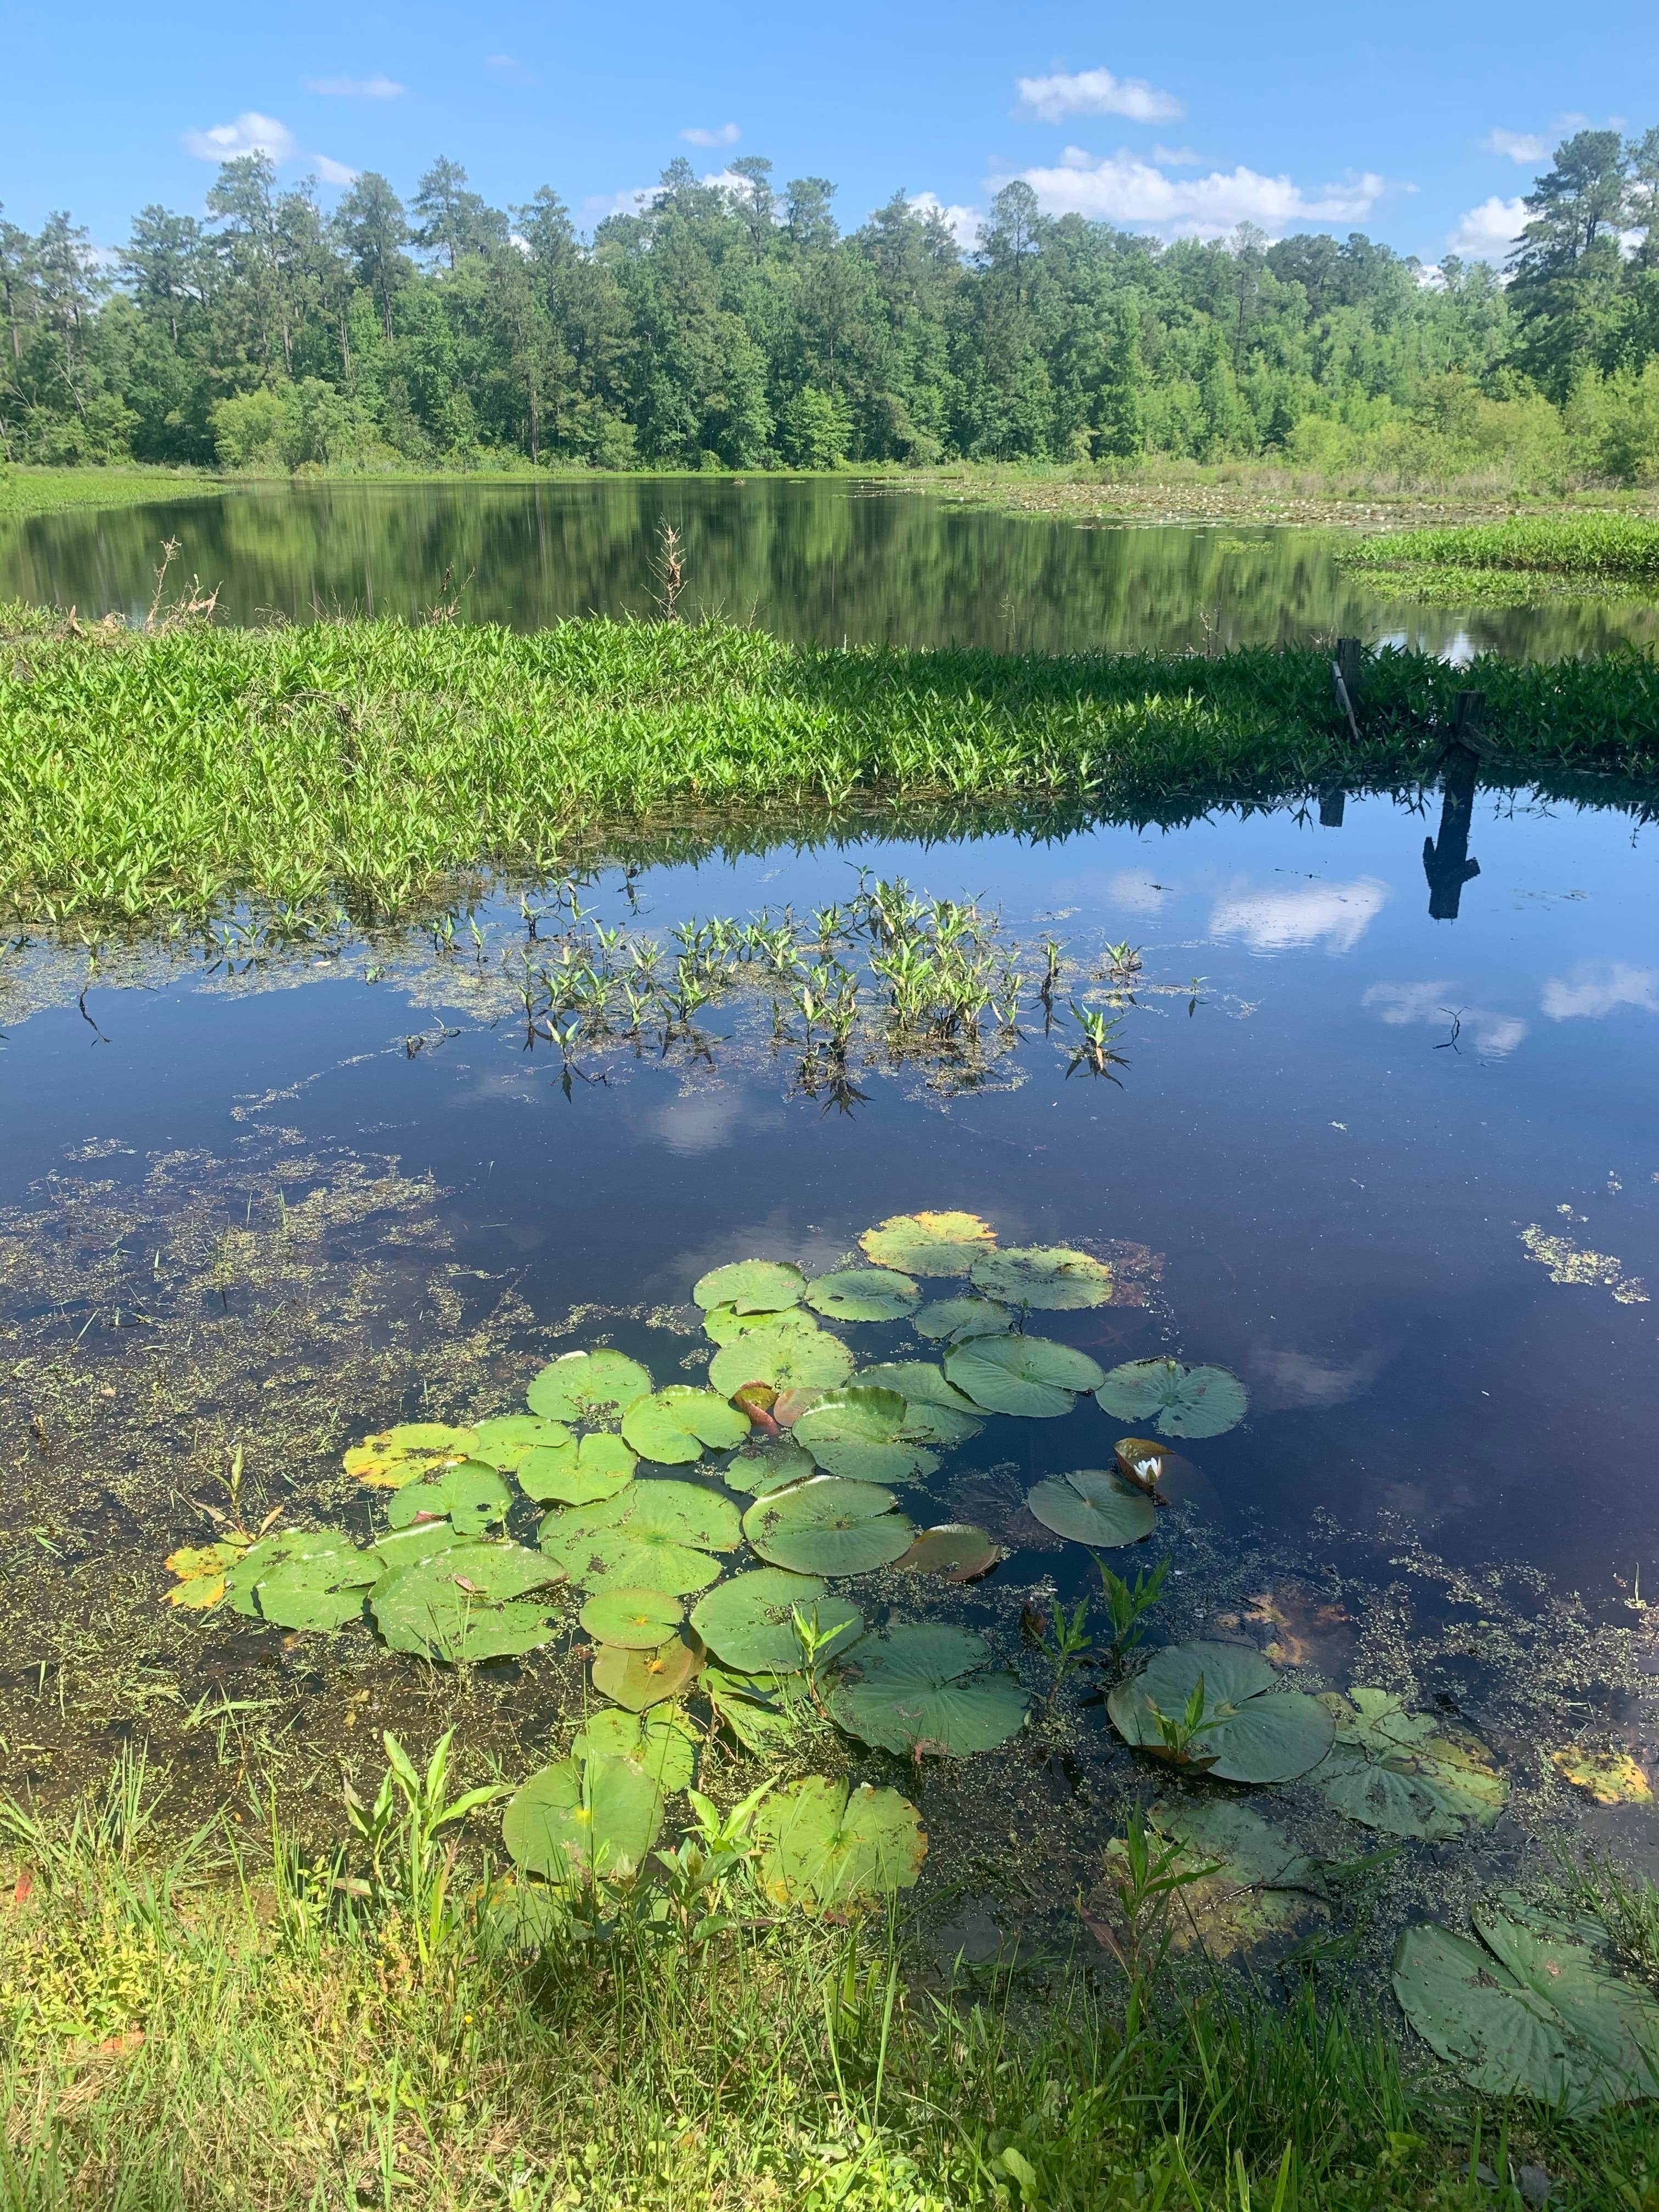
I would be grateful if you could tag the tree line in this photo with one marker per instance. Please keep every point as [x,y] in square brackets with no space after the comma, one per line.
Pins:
[732,324]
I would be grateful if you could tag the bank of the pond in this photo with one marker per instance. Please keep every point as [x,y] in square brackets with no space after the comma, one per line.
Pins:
[142,775]
[49,491]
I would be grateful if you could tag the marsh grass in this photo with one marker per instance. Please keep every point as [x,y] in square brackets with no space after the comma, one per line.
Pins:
[48,491]
[1502,563]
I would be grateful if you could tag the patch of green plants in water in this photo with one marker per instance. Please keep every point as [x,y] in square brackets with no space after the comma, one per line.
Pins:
[1506,563]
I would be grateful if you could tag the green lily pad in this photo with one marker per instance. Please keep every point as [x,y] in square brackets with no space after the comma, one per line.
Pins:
[425,1540]
[471,1604]
[749,1622]
[1256,1732]
[471,1496]
[955,1320]
[956,1551]
[929,1244]
[829,1527]
[406,1453]
[1027,1375]
[862,1294]
[662,1741]
[786,1358]
[750,1287]
[1531,2009]
[573,1474]
[1407,1773]
[1094,1506]
[859,1434]
[637,1680]
[633,1620]
[316,1589]
[755,1707]
[1045,1275]
[824,1843]
[271,1554]
[1185,1402]
[923,1689]
[506,1442]
[582,1816]
[653,1536]
[680,1423]
[725,1324]
[935,1411]
[1253,1882]
[588,1386]
[761,1468]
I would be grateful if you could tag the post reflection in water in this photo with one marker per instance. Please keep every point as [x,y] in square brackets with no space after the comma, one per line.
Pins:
[1446,862]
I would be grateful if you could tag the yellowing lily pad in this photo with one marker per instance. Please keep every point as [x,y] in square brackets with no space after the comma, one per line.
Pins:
[201,1569]
[1611,1778]
[826,1844]
[407,1453]
[929,1244]
[1407,1773]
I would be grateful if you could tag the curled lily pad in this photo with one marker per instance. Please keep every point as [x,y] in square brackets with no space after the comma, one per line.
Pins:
[756,1708]
[954,1321]
[632,1620]
[245,1574]
[1533,2008]
[573,1474]
[749,1622]
[862,1294]
[677,1425]
[407,1453]
[829,1527]
[201,1569]
[956,1551]
[1185,1402]
[925,1688]
[750,1287]
[469,1604]
[765,1467]
[860,1433]
[579,1816]
[1407,1773]
[789,1357]
[662,1741]
[1045,1275]
[1027,1375]
[1093,1506]
[824,1843]
[588,1386]
[507,1440]
[1249,1730]
[935,1411]
[471,1496]
[653,1536]
[725,1324]
[637,1680]
[929,1244]
[1609,1778]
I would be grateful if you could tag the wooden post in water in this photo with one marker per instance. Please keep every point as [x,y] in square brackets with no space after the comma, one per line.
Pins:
[1345,681]
[1470,720]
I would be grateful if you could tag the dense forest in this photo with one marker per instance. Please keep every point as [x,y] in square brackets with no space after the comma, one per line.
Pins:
[733,324]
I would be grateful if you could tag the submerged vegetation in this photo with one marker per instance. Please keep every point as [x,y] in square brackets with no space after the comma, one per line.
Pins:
[1501,563]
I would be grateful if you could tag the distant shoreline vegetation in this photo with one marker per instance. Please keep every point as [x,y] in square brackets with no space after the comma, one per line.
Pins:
[1508,562]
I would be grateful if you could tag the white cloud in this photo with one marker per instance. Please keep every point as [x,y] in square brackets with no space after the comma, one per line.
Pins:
[357,87]
[1518,145]
[1436,1004]
[251,133]
[597,206]
[727,134]
[1124,188]
[1177,157]
[1096,92]
[1139,893]
[1487,232]
[1335,915]
[1287,1378]
[1596,987]
[963,223]
[507,68]
[332,171]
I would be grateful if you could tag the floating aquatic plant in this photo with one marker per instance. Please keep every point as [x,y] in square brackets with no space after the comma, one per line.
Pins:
[935,1411]
[407,1453]
[470,1603]
[827,1842]
[1046,1275]
[579,1817]
[862,1433]
[678,1425]
[201,1569]
[1407,1773]
[662,1741]
[956,1551]
[863,1294]
[588,1386]
[1185,1401]
[576,1473]
[929,1244]
[636,1679]
[471,1496]
[1093,1506]
[749,1621]
[1251,1881]
[653,1536]
[1245,1727]
[1609,1778]
[506,1441]
[750,1287]
[830,1526]
[726,1324]
[785,1356]
[954,1321]
[633,1620]
[1027,1375]
[928,1688]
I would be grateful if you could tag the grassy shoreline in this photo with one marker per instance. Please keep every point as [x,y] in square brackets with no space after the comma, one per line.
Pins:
[1508,563]
[30,492]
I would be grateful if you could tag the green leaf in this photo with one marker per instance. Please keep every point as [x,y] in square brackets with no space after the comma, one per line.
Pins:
[576,1816]
[1027,1375]
[921,1690]
[638,1679]
[955,1320]
[273,1555]
[955,1551]
[751,1286]
[507,1440]
[468,1604]
[588,1386]
[405,1453]
[1185,1402]
[935,1411]
[633,1620]
[862,1294]
[752,1707]
[653,1536]
[426,1540]
[575,1474]
[749,1623]
[929,1244]
[725,1324]
[829,1527]
[761,1469]
[1094,1506]
[1261,1734]
[786,1358]
[678,1424]
[471,1496]
[662,1741]
[824,1843]
[1045,1275]
[1253,1882]
[318,1589]
[1404,1772]
[860,1433]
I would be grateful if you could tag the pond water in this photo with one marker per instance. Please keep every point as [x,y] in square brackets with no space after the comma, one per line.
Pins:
[824,561]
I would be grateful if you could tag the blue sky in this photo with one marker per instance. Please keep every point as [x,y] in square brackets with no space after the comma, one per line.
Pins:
[1418,124]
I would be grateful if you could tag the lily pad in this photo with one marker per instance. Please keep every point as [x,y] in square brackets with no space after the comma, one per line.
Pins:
[573,1474]
[424,1539]
[506,1442]
[407,1453]
[955,1320]
[826,1844]
[1407,1773]
[935,1411]
[653,1536]
[244,1576]
[929,1244]
[762,1468]
[639,1679]
[1532,2009]
[1252,1731]
[1093,1506]
[862,1294]
[1610,1778]
[829,1527]
[201,1569]
[860,1433]
[725,1324]
[1045,1275]
[923,1688]
[588,1386]
[1253,1882]
[469,1604]
[956,1551]
[755,1707]
[750,1287]
[662,1741]
[470,1495]
[1027,1375]
[1185,1402]
[580,1816]
[323,1591]
[749,1622]
[633,1620]
[680,1423]
[788,1357]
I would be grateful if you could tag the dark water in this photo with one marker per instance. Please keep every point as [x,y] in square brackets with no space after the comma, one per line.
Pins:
[810,560]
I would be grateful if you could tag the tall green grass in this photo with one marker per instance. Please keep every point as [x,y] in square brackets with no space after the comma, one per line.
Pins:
[47,491]
[1498,560]
[144,775]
